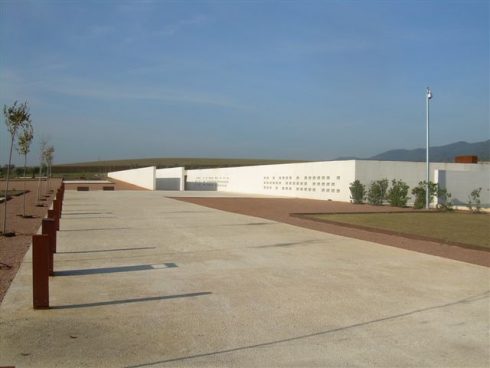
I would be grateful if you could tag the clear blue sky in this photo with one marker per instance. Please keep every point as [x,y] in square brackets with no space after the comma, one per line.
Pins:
[257,79]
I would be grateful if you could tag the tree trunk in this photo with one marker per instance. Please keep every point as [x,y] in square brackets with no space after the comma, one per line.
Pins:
[7,186]
[25,194]
[39,182]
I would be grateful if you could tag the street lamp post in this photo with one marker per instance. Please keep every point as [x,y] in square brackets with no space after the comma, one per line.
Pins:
[428,96]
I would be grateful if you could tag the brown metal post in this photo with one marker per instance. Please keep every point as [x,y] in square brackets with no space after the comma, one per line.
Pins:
[52,214]
[40,271]
[57,204]
[49,228]
[56,207]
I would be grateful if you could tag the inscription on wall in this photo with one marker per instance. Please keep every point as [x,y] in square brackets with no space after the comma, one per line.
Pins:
[305,183]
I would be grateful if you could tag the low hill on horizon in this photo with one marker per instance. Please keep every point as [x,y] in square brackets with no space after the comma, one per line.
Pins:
[444,153]
[164,162]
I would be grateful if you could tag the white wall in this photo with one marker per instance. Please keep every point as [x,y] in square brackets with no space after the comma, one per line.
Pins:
[170,179]
[461,183]
[410,172]
[315,180]
[144,177]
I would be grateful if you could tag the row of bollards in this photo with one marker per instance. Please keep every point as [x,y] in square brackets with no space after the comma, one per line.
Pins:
[43,250]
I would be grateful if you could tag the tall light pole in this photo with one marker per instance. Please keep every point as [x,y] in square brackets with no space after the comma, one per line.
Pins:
[428,96]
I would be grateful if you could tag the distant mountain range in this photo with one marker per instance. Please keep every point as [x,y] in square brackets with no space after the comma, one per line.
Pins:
[437,154]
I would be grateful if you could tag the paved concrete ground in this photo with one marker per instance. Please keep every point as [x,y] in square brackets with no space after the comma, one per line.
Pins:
[147,281]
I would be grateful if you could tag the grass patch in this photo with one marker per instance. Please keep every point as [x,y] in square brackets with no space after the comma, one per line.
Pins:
[464,228]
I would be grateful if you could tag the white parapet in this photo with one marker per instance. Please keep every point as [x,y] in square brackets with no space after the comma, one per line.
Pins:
[144,177]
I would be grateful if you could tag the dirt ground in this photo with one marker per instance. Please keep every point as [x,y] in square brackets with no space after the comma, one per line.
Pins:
[280,209]
[13,249]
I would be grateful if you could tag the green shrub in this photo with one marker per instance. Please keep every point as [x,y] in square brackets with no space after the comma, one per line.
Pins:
[398,193]
[445,202]
[474,202]
[377,192]
[357,191]
[420,191]
[444,198]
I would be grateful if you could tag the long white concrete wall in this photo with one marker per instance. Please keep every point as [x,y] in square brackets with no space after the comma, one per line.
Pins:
[170,179]
[315,180]
[329,180]
[144,177]
[461,183]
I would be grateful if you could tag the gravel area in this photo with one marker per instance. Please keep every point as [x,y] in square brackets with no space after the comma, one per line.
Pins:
[280,209]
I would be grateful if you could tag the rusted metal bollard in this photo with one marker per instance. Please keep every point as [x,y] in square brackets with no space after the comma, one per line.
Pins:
[49,229]
[40,271]
[61,204]
[57,205]
[52,214]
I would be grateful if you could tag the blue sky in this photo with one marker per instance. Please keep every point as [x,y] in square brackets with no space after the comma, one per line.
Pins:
[245,79]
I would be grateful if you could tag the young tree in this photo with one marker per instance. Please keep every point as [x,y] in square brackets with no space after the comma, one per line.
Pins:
[357,191]
[16,117]
[474,201]
[377,192]
[24,147]
[48,158]
[44,144]
[398,193]
[434,192]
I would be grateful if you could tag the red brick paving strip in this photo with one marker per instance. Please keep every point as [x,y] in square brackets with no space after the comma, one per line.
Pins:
[279,209]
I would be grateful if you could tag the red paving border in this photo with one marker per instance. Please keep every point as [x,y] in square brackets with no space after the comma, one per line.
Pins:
[280,209]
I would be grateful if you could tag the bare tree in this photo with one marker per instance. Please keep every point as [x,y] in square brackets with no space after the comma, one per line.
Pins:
[44,144]
[24,147]
[48,158]
[16,117]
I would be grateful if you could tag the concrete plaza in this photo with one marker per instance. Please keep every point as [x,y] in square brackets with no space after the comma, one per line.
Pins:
[147,281]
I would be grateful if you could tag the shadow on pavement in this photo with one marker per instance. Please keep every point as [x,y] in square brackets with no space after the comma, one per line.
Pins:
[127,301]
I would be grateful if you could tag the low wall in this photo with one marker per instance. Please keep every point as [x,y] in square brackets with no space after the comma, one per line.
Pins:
[170,179]
[144,177]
